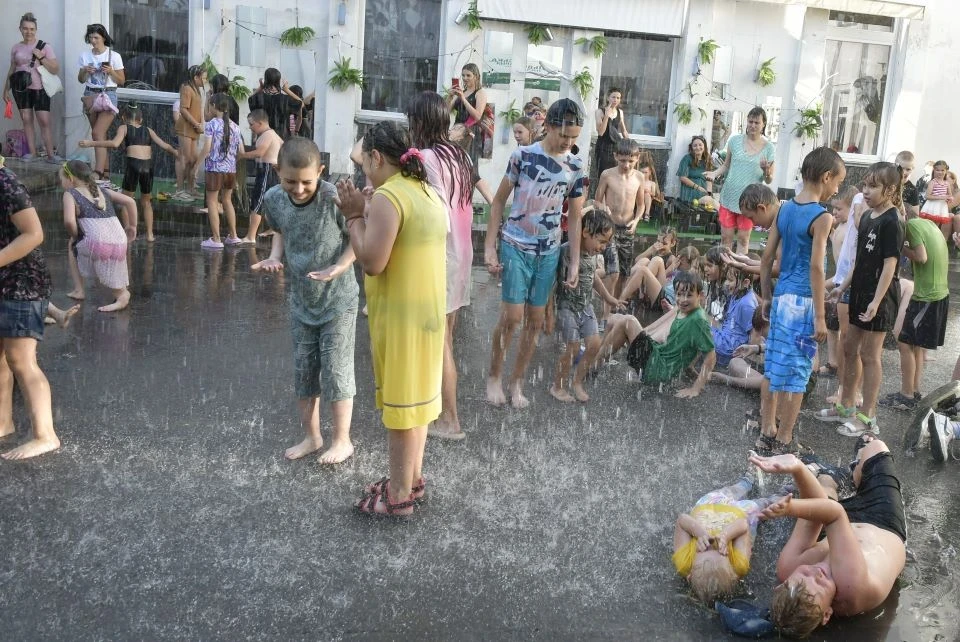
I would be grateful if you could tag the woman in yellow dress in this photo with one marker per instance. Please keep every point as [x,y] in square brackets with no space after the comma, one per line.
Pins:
[399,236]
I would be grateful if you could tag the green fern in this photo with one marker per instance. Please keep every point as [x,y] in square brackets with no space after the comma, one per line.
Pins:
[583,83]
[511,114]
[596,45]
[707,50]
[810,123]
[473,17]
[537,34]
[766,75]
[297,36]
[684,113]
[343,76]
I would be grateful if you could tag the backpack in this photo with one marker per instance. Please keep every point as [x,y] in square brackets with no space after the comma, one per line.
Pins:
[16,144]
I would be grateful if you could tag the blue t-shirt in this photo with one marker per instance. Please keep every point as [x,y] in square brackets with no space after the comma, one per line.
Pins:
[793,223]
[737,323]
[542,182]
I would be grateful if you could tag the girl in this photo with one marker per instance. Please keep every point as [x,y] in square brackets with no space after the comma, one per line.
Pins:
[874,299]
[468,101]
[401,245]
[659,257]
[101,71]
[271,99]
[189,126]
[139,171]
[523,131]
[24,290]
[652,197]
[936,208]
[714,275]
[98,241]
[220,154]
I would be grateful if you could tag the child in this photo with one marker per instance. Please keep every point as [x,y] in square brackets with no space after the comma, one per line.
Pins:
[620,192]
[323,294]
[796,306]
[576,319]
[714,276]
[745,369]
[136,137]
[712,544]
[266,151]
[738,315]
[874,299]
[540,176]
[188,124]
[523,130]
[653,197]
[220,163]
[657,295]
[688,336]
[935,208]
[98,242]
[659,256]
[841,206]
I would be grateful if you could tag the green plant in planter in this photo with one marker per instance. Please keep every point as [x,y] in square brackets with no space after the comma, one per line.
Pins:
[343,76]
[596,45]
[537,34]
[297,36]
[237,90]
[583,83]
[684,113]
[511,114]
[707,50]
[766,75]
[810,123]
[473,17]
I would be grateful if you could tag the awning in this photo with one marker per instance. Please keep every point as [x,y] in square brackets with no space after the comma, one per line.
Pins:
[659,17]
[891,9]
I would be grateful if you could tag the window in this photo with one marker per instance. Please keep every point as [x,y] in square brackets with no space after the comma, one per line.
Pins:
[401,47]
[856,60]
[151,37]
[251,48]
[641,67]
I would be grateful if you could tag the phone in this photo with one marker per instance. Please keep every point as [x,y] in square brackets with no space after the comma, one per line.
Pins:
[456,83]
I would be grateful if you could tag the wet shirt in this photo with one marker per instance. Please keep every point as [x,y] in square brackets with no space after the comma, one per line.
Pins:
[314,237]
[793,224]
[220,161]
[714,518]
[878,239]
[26,279]
[577,299]
[929,278]
[278,106]
[542,182]
[689,336]
[737,323]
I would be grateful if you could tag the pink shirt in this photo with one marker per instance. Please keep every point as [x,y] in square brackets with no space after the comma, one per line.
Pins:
[21,55]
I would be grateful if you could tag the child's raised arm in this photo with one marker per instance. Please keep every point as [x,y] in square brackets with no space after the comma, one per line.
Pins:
[686,529]
[733,531]
[162,144]
[109,144]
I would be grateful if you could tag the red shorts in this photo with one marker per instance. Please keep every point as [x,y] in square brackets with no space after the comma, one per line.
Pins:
[730,219]
[936,218]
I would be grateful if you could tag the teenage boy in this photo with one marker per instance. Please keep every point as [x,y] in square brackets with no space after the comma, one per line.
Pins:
[620,192]
[265,153]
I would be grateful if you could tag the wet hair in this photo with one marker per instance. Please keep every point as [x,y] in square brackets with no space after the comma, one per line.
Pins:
[627,147]
[705,160]
[259,116]
[759,112]
[759,322]
[393,142]
[689,254]
[755,195]
[219,84]
[614,90]
[28,17]
[669,230]
[688,279]
[846,194]
[79,170]
[886,176]
[527,123]
[473,69]
[297,91]
[299,153]
[715,256]
[713,579]
[596,222]
[429,119]
[131,111]
[819,162]
[794,610]
[97,28]
[192,72]
[221,102]
[565,112]
[271,78]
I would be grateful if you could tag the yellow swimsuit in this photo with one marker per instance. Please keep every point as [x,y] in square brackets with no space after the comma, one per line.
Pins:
[714,517]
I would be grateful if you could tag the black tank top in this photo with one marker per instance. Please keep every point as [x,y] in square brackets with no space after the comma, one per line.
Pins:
[462,115]
[613,134]
[136,135]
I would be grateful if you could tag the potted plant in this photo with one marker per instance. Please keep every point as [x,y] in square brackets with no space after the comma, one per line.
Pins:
[583,83]
[706,51]
[343,76]
[766,75]
[510,115]
[473,17]
[297,36]
[810,123]
[237,90]
[596,45]
[537,34]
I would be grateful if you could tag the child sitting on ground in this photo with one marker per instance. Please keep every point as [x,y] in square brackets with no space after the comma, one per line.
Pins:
[659,256]
[576,319]
[713,272]
[713,543]
[655,294]
[738,316]
[745,369]
[688,337]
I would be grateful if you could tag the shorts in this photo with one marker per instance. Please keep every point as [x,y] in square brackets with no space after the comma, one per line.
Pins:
[22,319]
[944,219]
[35,99]
[111,94]
[878,500]
[618,257]
[845,297]
[639,352]
[266,178]
[216,181]
[574,326]
[323,358]
[925,324]
[729,218]
[528,278]
[789,362]
[886,314]
[139,173]
[833,321]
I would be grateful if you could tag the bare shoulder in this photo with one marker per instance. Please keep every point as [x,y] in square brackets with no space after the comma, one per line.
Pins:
[864,581]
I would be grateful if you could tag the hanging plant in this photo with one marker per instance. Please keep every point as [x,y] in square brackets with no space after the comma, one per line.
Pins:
[473,17]
[810,123]
[596,45]
[583,83]
[511,114]
[537,34]
[297,36]
[766,76]
[684,113]
[707,50]
[237,90]
[343,76]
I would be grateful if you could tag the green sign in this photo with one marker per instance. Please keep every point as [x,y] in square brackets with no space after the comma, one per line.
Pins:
[543,84]
[496,78]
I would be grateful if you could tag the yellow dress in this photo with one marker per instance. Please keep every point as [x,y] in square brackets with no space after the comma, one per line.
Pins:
[406,305]
[714,517]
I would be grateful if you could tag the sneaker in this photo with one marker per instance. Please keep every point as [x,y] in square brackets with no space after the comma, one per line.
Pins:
[210,244]
[940,429]
[182,196]
[55,159]
[232,241]
[898,401]
[28,158]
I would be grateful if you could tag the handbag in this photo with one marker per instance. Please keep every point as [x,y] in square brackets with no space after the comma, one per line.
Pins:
[51,82]
[94,103]
[19,81]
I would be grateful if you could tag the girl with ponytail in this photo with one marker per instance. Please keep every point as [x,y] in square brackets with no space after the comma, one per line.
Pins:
[220,164]
[400,240]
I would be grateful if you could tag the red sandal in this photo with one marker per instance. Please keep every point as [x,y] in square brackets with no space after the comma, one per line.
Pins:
[417,492]
[379,505]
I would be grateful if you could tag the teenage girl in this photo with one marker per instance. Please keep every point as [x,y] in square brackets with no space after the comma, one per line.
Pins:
[139,172]
[189,126]
[936,208]
[220,163]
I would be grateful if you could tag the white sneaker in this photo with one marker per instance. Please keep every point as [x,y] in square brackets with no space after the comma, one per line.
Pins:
[940,429]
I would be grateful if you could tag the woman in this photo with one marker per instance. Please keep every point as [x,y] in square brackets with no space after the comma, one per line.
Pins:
[692,168]
[450,172]
[748,159]
[401,243]
[189,127]
[270,98]
[101,72]
[26,58]
[468,101]
[611,128]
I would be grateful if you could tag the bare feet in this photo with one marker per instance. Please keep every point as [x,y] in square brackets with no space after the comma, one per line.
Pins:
[561,395]
[151,238]
[445,428]
[304,448]
[266,233]
[335,454]
[77,295]
[517,400]
[62,317]
[49,320]
[31,448]
[122,301]
[495,392]
[580,393]
[7,431]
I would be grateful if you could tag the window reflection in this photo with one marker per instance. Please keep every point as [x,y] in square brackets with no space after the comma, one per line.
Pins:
[151,36]
[640,66]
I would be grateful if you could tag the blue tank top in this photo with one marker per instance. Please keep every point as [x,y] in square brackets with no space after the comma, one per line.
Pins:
[793,223]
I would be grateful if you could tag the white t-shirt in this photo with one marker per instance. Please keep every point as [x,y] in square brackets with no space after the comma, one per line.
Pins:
[848,250]
[100,79]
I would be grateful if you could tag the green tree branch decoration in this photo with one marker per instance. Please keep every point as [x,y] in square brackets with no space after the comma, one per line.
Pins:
[583,83]
[473,17]
[810,123]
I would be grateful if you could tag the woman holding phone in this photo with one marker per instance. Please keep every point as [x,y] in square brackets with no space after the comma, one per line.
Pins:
[101,72]
[468,101]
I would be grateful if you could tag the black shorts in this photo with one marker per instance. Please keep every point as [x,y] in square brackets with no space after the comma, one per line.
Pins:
[266,178]
[886,314]
[925,324]
[35,99]
[139,173]
[618,257]
[833,321]
[639,351]
[878,500]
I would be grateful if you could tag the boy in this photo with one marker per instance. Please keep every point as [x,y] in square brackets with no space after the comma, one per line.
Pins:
[688,337]
[840,207]
[323,294]
[737,316]
[620,192]
[265,153]
[540,176]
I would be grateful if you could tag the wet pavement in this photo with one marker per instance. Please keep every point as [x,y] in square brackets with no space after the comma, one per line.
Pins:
[170,512]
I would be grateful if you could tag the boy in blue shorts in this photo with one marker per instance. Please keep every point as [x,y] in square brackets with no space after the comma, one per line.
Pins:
[540,176]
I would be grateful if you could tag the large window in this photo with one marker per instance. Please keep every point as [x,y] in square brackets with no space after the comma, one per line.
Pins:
[641,67]
[401,47]
[151,36]
[855,67]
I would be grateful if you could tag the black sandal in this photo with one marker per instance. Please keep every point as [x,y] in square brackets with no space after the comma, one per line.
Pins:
[765,444]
